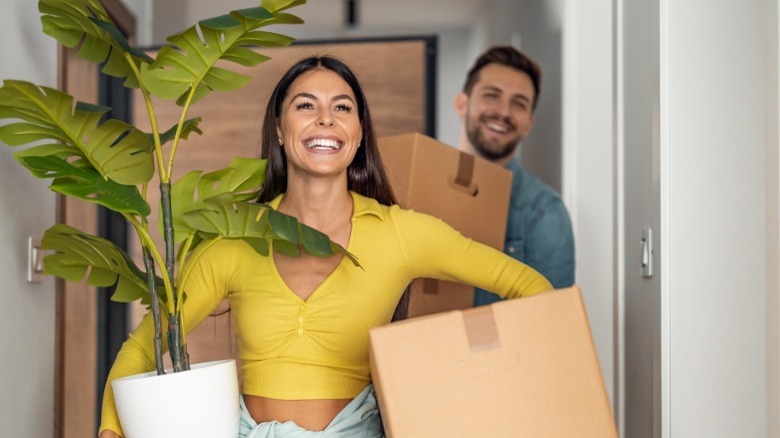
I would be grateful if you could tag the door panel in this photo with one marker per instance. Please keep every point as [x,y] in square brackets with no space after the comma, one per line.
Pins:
[642,335]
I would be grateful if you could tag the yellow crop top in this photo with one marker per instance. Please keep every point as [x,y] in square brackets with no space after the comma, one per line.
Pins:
[318,349]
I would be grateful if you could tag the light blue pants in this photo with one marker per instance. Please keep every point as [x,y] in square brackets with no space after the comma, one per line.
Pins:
[359,419]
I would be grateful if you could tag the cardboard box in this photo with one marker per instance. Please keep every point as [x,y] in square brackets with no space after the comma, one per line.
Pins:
[470,193]
[518,368]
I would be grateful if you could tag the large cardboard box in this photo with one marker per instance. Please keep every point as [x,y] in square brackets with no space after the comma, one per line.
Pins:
[518,368]
[470,193]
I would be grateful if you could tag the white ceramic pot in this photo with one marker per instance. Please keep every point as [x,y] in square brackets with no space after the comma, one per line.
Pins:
[201,402]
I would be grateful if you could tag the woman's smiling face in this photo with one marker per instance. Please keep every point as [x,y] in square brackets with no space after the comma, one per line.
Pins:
[319,124]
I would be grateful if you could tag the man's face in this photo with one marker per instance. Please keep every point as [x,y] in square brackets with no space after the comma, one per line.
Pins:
[498,113]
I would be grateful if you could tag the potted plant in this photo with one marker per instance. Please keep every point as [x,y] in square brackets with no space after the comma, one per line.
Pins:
[110,162]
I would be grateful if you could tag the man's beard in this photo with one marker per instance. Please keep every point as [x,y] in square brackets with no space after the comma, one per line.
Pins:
[486,149]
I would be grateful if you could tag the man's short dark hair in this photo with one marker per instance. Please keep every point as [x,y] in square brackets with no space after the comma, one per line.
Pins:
[510,57]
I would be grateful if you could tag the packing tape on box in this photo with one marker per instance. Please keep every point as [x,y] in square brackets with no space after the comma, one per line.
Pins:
[463,178]
[481,329]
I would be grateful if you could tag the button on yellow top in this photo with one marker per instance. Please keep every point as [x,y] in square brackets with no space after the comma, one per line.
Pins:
[300,331]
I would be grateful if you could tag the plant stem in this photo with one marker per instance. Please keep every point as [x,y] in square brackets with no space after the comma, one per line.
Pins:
[148,243]
[185,250]
[152,120]
[170,250]
[179,128]
[154,301]
[176,346]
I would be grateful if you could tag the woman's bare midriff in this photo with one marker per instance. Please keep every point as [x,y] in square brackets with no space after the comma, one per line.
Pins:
[309,414]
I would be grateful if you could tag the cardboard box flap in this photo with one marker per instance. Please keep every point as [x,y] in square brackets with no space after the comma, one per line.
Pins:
[534,373]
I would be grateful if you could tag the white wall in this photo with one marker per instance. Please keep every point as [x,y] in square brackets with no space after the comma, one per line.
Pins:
[772,108]
[589,169]
[716,211]
[26,209]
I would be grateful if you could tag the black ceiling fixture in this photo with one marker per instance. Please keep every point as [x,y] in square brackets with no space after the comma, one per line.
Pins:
[350,9]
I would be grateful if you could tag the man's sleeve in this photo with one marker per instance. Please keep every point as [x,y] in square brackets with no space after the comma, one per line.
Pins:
[550,244]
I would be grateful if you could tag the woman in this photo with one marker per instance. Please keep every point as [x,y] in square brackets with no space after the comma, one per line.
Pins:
[302,322]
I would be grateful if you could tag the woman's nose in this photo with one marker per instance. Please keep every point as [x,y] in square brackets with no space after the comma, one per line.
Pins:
[325,119]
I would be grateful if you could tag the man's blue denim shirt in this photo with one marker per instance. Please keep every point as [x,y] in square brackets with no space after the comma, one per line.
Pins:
[538,231]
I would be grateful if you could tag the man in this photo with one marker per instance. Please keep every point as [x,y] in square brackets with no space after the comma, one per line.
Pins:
[496,108]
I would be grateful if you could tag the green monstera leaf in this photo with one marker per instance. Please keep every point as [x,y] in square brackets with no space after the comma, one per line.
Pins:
[116,150]
[221,217]
[240,181]
[189,61]
[78,255]
[87,184]
[259,224]
[290,237]
[280,5]
[86,23]
[188,127]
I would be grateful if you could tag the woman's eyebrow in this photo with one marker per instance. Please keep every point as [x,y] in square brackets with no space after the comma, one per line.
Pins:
[304,94]
[313,97]
[344,96]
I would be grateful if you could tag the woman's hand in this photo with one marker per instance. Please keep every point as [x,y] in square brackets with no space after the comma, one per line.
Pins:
[109,434]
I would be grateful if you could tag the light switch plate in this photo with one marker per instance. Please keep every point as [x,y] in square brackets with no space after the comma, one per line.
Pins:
[34,260]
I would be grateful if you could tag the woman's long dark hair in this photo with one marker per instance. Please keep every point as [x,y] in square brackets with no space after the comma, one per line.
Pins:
[365,175]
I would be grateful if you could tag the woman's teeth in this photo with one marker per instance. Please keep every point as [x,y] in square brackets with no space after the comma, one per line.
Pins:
[322,143]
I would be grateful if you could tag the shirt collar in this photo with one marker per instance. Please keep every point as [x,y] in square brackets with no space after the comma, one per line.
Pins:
[362,205]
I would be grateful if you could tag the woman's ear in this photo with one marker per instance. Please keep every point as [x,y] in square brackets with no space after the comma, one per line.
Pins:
[279,132]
